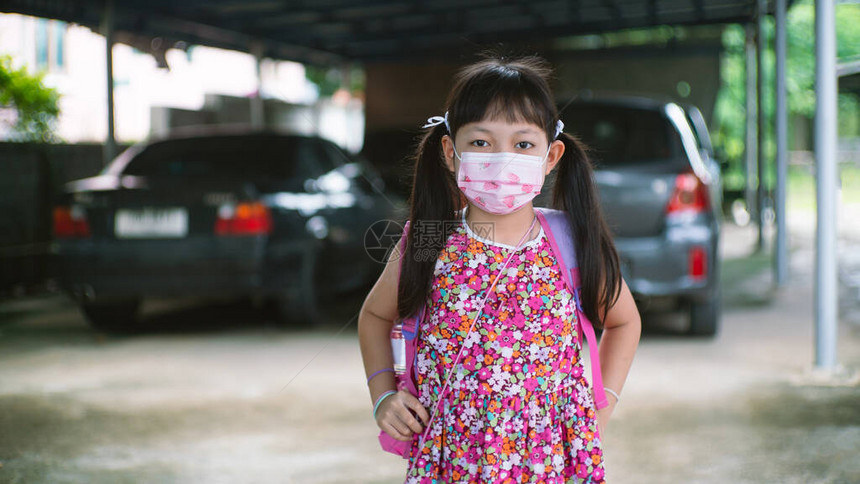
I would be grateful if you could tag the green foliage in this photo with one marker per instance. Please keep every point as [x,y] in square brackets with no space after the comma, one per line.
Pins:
[36,105]
[730,109]
[330,79]
[801,186]
[800,69]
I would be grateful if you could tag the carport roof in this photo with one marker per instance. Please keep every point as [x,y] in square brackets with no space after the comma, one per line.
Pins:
[331,31]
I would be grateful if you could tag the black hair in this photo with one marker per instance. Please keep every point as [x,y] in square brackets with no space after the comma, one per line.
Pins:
[516,90]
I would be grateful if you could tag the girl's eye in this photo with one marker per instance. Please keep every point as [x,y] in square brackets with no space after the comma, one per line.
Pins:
[480,143]
[524,145]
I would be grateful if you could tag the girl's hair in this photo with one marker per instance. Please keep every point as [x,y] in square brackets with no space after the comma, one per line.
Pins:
[515,90]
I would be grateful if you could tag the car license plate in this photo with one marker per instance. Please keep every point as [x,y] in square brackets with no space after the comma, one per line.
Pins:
[151,223]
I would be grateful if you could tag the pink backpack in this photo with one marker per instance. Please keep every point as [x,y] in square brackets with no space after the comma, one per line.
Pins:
[557,229]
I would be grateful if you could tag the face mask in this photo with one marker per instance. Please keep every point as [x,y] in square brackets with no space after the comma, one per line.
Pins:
[500,183]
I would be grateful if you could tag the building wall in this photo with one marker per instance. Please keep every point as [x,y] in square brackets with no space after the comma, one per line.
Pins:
[139,85]
[401,96]
[685,76]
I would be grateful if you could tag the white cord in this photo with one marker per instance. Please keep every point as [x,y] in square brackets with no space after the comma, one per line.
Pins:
[612,392]
[490,289]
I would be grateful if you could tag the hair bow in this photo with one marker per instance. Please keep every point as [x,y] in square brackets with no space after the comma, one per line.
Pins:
[437,120]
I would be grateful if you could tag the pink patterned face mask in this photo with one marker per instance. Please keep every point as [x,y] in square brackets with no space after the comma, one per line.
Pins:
[500,183]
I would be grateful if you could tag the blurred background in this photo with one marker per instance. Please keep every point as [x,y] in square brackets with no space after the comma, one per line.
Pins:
[194,200]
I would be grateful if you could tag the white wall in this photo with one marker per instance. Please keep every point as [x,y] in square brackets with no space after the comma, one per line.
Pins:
[139,84]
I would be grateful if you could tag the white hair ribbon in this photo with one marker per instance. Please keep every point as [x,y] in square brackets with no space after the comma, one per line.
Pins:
[437,120]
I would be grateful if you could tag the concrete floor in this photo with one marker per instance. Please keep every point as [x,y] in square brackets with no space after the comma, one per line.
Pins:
[216,394]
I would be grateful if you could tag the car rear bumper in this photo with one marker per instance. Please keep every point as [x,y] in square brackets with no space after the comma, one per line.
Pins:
[237,266]
[660,266]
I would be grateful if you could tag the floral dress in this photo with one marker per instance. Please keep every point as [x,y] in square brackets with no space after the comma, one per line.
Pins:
[518,407]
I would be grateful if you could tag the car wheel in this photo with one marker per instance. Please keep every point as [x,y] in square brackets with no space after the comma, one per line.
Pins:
[300,306]
[113,316]
[705,315]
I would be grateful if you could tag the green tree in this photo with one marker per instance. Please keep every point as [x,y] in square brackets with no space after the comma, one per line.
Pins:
[330,79]
[35,104]
[729,111]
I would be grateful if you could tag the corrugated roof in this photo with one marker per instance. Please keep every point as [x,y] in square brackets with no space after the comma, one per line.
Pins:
[327,31]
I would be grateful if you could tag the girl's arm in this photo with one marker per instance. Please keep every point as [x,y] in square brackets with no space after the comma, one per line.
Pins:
[375,320]
[621,329]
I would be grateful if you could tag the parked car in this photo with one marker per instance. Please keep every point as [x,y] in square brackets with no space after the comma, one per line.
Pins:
[218,214]
[660,189]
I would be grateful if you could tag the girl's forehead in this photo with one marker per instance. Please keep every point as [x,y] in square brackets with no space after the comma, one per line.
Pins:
[502,126]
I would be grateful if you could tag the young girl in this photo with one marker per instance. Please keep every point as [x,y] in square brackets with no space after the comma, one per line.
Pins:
[502,395]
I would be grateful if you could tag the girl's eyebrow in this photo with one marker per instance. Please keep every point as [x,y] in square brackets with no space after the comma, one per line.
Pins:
[519,131]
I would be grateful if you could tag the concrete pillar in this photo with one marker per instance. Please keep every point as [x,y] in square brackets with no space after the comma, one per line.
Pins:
[761,125]
[751,133]
[826,286]
[781,252]
[107,30]
[258,114]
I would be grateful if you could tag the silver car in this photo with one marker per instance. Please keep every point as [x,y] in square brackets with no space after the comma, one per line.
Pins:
[661,193]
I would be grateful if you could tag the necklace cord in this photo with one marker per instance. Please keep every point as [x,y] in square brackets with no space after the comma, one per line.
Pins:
[468,334]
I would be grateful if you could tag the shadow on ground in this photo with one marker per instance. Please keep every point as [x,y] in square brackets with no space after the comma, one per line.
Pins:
[180,316]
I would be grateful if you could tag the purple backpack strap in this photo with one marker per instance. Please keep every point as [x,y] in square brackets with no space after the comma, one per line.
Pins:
[558,233]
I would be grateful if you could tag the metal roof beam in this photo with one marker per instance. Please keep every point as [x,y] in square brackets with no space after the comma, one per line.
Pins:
[444,42]
[328,31]
[617,14]
[699,8]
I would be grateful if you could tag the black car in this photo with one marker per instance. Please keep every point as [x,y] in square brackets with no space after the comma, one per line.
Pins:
[218,214]
[661,191]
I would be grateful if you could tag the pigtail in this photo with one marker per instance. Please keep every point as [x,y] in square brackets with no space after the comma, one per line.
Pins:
[434,201]
[512,90]
[575,193]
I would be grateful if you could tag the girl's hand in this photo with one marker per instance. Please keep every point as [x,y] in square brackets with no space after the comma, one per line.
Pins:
[396,416]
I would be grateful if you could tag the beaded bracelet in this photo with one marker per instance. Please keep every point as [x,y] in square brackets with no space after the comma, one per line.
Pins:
[380,399]
[378,372]
[612,392]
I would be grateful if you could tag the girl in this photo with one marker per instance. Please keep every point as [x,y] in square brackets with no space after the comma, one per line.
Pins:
[502,395]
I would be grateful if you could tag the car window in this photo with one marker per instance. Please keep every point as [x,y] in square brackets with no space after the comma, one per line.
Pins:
[620,135]
[229,157]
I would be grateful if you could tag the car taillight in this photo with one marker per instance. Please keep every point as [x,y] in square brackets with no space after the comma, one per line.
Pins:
[698,262]
[689,195]
[246,218]
[70,222]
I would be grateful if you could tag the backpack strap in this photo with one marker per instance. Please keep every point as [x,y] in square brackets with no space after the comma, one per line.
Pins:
[409,324]
[410,332]
[558,232]
[557,229]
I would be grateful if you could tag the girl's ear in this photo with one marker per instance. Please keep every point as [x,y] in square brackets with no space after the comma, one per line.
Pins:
[556,150]
[448,152]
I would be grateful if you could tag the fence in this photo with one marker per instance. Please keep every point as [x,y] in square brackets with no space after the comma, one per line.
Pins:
[31,176]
